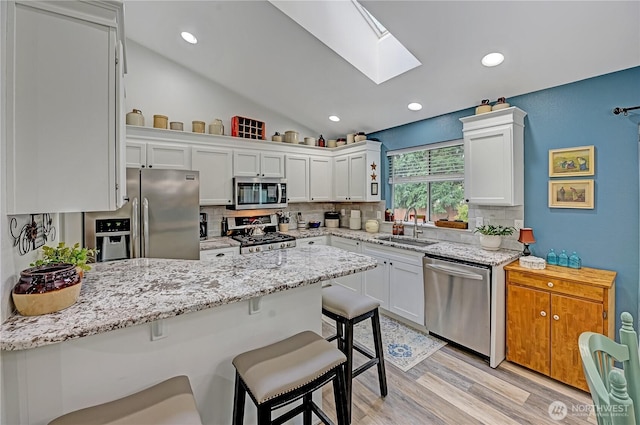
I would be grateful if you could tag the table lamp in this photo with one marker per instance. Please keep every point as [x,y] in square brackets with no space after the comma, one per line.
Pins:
[526,237]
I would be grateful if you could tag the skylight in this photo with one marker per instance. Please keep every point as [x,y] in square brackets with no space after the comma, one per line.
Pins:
[367,45]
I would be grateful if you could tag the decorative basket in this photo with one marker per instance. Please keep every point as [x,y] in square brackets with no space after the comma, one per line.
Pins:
[531,262]
[452,224]
[248,128]
[46,289]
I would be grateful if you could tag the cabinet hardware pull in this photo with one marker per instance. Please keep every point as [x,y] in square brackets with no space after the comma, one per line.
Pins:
[556,317]
[543,313]
[550,285]
[220,254]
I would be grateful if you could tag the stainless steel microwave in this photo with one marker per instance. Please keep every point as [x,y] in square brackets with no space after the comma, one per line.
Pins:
[251,193]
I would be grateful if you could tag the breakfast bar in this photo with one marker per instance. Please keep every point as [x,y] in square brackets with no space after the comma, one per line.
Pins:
[138,322]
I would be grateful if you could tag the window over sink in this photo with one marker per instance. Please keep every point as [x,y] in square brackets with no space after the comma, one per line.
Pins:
[429,178]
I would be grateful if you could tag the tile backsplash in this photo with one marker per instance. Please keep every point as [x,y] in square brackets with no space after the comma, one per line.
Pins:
[504,216]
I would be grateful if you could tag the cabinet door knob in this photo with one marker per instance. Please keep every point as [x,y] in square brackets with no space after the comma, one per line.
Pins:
[556,317]
[150,166]
[543,313]
[550,284]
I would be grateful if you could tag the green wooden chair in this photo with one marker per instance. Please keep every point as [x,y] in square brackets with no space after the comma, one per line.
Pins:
[614,391]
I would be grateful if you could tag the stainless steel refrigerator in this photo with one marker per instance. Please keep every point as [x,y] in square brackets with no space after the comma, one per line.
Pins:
[160,220]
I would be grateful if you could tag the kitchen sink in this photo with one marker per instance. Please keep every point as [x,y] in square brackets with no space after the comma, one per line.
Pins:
[406,241]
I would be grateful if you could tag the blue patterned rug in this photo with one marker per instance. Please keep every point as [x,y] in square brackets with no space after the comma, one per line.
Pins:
[404,347]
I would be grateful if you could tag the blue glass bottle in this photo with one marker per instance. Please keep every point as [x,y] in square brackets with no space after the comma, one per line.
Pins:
[574,261]
[552,258]
[563,259]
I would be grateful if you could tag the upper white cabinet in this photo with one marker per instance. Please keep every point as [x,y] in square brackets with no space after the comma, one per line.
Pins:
[320,178]
[214,165]
[357,175]
[158,155]
[297,167]
[64,107]
[258,164]
[494,157]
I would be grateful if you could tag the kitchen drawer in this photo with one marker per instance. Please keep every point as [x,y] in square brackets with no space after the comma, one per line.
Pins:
[211,254]
[316,240]
[555,285]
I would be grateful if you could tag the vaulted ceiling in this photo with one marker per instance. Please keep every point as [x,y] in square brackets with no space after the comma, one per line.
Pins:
[253,48]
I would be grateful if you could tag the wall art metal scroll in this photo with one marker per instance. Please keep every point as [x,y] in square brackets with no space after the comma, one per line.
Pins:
[35,233]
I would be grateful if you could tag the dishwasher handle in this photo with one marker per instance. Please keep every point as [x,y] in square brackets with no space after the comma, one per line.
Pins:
[453,271]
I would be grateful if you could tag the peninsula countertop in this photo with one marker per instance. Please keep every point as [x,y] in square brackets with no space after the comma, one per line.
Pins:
[126,293]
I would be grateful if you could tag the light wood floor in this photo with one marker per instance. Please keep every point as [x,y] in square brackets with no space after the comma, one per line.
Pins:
[456,387]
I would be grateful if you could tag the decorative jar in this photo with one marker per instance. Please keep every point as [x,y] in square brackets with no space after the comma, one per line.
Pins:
[197,126]
[160,121]
[372,226]
[46,289]
[135,117]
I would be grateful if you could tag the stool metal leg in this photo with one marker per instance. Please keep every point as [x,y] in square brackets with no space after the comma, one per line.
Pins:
[238,401]
[377,338]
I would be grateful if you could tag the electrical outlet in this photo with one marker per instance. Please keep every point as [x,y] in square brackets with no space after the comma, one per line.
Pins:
[518,224]
[379,215]
[479,221]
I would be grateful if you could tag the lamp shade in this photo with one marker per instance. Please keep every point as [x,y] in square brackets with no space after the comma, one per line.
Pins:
[526,236]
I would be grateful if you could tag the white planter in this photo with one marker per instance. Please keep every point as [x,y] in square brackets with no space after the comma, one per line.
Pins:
[490,242]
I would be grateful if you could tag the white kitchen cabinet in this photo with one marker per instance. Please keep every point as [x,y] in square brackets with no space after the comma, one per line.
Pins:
[355,173]
[297,168]
[211,254]
[320,178]
[494,157]
[352,281]
[64,107]
[216,174]
[258,164]
[397,282]
[158,155]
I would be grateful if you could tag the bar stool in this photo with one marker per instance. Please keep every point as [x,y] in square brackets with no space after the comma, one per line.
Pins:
[348,308]
[170,402]
[281,373]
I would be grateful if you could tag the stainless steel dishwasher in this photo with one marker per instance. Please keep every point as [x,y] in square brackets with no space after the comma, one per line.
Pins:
[457,302]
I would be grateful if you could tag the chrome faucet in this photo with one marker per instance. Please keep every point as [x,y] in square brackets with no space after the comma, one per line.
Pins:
[415,221]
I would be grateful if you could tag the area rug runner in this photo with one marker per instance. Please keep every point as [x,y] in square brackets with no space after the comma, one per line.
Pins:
[404,347]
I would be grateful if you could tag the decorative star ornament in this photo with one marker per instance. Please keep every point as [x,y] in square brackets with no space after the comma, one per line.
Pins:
[373,166]
[373,176]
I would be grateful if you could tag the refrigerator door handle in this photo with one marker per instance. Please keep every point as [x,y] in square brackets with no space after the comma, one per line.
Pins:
[145,226]
[135,213]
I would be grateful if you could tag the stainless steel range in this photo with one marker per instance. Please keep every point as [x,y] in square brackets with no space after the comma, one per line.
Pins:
[257,234]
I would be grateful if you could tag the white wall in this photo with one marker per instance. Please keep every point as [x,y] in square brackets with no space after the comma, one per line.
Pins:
[158,86]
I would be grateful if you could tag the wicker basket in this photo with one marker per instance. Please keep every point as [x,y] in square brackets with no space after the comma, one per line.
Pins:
[452,224]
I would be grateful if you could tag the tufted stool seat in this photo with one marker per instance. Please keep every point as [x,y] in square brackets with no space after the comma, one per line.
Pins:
[283,372]
[170,402]
[347,309]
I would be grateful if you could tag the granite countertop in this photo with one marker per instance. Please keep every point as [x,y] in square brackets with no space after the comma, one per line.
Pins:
[453,250]
[120,294]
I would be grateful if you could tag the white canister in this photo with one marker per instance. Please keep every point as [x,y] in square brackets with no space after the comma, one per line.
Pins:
[291,136]
[372,226]
[351,138]
[310,141]
[332,143]
[355,213]
[216,127]
[332,223]
[355,223]
[135,117]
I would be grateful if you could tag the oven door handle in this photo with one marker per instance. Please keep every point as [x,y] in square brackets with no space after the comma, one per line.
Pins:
[453,271]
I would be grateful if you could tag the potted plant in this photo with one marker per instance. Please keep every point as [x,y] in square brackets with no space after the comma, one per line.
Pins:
[53,282]
[491,235]
[75,255]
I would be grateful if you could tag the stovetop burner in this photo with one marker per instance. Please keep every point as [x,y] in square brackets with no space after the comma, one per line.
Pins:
[266,242]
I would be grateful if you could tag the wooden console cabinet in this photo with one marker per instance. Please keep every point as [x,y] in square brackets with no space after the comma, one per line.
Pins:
[548,309]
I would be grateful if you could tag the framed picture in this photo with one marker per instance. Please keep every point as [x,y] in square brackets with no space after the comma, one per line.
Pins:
[571,194]
[570,162]
[374,188]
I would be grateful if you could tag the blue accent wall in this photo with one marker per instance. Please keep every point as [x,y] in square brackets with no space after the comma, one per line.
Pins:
[576,114]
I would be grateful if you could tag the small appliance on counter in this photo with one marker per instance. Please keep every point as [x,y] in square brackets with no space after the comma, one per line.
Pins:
[258,233]
[203,226]
[332,219]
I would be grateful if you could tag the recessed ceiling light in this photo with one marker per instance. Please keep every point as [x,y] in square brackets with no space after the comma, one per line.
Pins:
[493,59]
[188,37]
[334,118]
[414,106]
